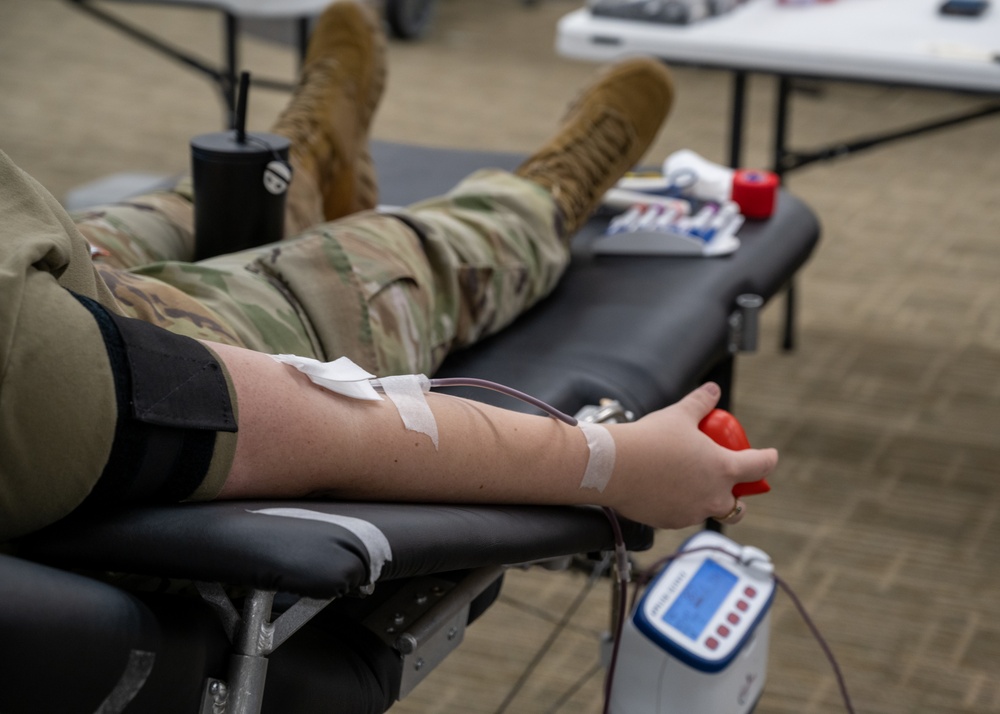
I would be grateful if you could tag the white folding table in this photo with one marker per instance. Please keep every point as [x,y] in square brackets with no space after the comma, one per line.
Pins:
[407,18]
[224,75]
[891,42]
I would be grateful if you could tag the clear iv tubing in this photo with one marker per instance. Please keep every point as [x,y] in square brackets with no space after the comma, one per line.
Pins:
[623,571]
[503,389]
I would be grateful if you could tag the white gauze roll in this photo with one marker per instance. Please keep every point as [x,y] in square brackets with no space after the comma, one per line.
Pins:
[601,463]
[712,182]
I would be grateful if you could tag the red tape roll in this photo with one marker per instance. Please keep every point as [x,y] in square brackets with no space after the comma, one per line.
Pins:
[755,192]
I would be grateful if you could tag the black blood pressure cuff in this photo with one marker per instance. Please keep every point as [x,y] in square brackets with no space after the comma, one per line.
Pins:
[172,398]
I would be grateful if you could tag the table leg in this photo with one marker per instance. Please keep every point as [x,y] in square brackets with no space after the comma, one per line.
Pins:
[302,25]
[723,373]
[781,125]
[788,338]
[781,111]
[226,75]
[736,120]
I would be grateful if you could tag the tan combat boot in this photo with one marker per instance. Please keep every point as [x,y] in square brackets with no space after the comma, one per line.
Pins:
[606,131]
[328,118]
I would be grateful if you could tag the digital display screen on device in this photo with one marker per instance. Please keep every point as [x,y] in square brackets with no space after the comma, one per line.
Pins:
[700,599]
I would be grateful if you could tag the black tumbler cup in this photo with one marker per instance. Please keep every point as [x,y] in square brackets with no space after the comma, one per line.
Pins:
[239,190]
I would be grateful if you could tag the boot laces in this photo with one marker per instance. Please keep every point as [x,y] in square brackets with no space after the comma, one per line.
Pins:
[583,167]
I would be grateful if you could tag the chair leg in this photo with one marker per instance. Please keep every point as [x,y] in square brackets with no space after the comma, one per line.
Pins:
[788,339]
[254,637]
[248,664]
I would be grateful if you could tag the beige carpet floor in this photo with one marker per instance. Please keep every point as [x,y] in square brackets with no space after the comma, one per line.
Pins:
[885,514]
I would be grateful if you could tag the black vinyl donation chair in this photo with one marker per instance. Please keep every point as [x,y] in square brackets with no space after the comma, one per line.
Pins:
[310,606]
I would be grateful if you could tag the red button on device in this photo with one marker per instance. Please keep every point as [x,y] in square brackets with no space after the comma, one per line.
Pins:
[723,631]
[742,606]
[733,618]
[712,643]
[750,592]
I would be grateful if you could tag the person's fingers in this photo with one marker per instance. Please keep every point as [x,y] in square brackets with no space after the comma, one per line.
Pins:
[699,402]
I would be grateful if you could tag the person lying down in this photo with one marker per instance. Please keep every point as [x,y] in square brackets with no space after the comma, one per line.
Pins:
[131,375]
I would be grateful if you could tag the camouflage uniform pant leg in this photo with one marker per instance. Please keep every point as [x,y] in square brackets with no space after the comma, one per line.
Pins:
[141,230]
[490,250]
[142,247]
[395,293]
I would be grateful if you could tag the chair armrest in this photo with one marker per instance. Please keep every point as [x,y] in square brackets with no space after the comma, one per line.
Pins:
[228,543]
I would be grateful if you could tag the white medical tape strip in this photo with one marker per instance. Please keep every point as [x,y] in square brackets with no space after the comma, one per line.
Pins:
[341,376]
[601,464]
[406,391]
[374,540]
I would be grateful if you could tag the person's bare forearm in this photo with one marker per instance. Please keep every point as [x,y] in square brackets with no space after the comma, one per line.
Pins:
[296,439]
[307,440]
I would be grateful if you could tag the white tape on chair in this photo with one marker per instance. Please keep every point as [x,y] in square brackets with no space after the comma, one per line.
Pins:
[374,540]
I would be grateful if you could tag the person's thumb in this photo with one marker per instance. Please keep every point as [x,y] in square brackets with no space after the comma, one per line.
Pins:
[699,402]
[755,464]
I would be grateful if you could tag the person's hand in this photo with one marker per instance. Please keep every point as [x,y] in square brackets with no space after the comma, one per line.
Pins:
[669,474]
